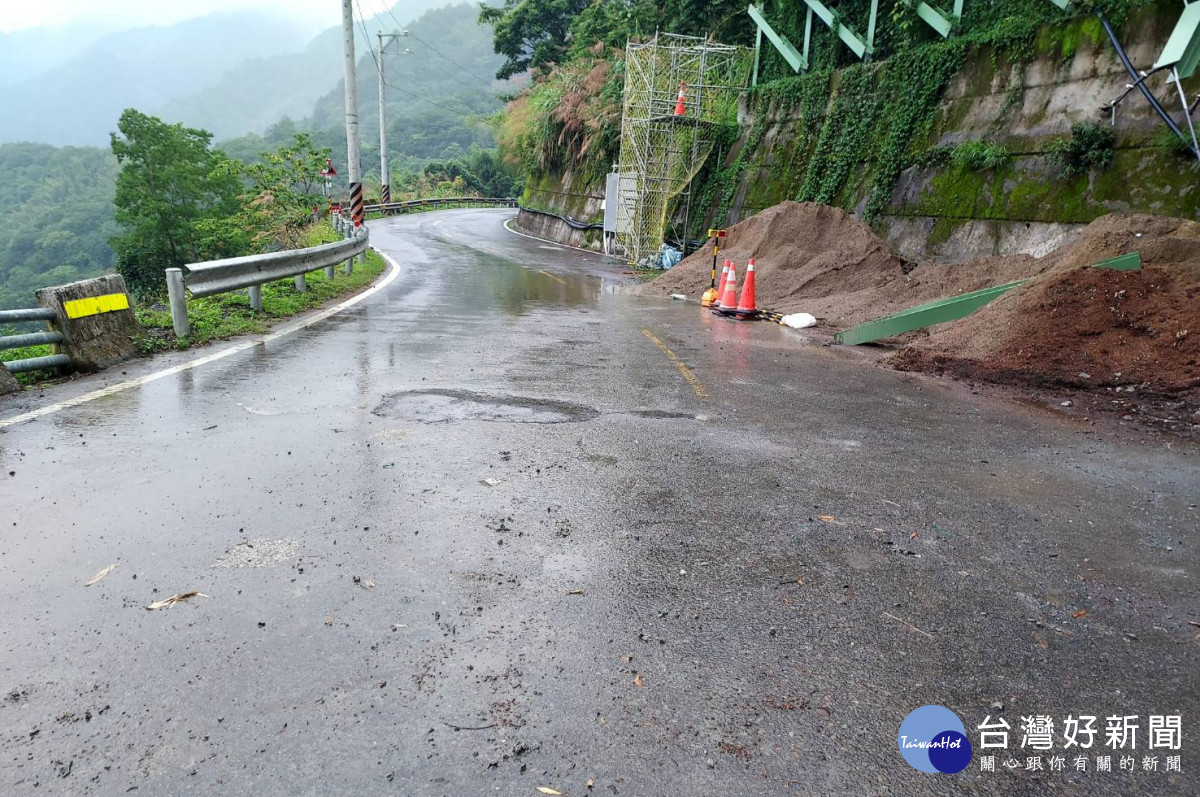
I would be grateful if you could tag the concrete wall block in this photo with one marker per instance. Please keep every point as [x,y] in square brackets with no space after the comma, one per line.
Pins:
[554,229]
[96,334]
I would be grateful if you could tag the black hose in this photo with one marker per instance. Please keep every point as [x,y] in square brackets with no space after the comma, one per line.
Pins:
[1137,80]
[570,222]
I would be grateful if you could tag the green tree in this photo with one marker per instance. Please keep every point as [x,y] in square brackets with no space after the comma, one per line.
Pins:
[171,185]
[59,217]
[531,34]
[282,188]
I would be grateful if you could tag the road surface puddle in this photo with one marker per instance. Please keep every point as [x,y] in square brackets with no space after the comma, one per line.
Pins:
[446,406]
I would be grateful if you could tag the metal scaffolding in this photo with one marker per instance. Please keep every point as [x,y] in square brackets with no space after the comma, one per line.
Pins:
[661,149]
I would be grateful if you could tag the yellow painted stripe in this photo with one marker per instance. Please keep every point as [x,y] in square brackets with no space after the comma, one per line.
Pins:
[690,377]
[95,305]
[551,276]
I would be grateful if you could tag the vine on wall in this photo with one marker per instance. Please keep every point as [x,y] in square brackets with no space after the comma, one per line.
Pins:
[880,117]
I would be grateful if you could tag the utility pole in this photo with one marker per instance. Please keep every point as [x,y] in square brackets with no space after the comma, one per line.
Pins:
[385,173]
[354,166]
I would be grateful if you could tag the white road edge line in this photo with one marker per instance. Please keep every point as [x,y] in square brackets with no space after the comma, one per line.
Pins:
[552,243]
[286,329]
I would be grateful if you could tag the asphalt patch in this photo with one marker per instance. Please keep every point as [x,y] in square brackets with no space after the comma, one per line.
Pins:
[448,406]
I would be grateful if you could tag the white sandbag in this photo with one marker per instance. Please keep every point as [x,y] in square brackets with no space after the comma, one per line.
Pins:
[799,320]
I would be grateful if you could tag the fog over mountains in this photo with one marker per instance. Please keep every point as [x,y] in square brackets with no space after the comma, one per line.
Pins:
[230,73]
[252,79]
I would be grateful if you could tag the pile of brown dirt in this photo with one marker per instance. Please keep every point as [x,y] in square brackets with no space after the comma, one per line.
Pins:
[807,256]
[821,260]
[1116,328]
[1083,327]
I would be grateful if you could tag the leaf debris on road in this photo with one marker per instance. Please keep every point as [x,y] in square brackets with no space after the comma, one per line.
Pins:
[177,598]
[910,625]
[101,574]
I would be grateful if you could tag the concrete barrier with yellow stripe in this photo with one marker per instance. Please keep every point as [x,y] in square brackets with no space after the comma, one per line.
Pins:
[90,325]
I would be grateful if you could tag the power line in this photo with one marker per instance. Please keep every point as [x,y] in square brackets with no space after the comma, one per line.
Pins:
[453,63]
[438,52]
[418,98]
[367,36]
[362,24]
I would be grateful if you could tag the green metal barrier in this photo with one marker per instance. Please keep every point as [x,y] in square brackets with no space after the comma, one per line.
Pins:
[943,310]
[1129,262]
[923,315]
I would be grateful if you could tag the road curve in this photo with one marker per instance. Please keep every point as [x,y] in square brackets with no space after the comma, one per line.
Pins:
[503,526]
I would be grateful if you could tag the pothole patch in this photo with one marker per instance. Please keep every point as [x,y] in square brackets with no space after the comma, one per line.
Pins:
[259,553]
[660,414]
[447,406]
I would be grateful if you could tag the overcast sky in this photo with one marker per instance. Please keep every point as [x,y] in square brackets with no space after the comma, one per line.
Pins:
[15,14]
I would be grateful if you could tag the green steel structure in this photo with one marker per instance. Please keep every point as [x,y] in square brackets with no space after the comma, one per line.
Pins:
[863,46]
[1129,262]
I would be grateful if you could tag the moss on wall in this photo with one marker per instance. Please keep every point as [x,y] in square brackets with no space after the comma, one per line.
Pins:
[845,136]
[1146,180]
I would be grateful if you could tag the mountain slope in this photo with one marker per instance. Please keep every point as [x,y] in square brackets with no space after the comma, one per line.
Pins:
[59,217]
[29,52]
[260,91]
[438,96]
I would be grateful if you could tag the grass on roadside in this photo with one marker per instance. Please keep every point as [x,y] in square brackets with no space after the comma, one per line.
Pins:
[28,352]
[229,314]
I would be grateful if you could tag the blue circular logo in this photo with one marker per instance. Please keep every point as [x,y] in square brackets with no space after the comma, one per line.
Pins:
[933,739]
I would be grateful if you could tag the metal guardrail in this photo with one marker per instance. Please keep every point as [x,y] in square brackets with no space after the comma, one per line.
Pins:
[31,339]
[392,208]
[250,272]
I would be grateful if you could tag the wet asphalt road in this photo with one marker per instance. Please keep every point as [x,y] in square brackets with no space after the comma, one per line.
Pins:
[646,598]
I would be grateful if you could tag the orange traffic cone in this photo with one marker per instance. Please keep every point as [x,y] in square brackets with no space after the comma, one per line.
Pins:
[746,308]
[681,104]
[728,304]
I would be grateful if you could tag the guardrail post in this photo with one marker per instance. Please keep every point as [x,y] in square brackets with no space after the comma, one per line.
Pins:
[301,284]
[255,292]
[350,260]
[329,272]
[178,301]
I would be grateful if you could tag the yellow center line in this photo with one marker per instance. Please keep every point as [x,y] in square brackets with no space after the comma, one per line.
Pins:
[551,276]
[691,378]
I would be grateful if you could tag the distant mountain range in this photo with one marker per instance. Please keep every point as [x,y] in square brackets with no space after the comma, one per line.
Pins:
[230,73]
[32,51]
